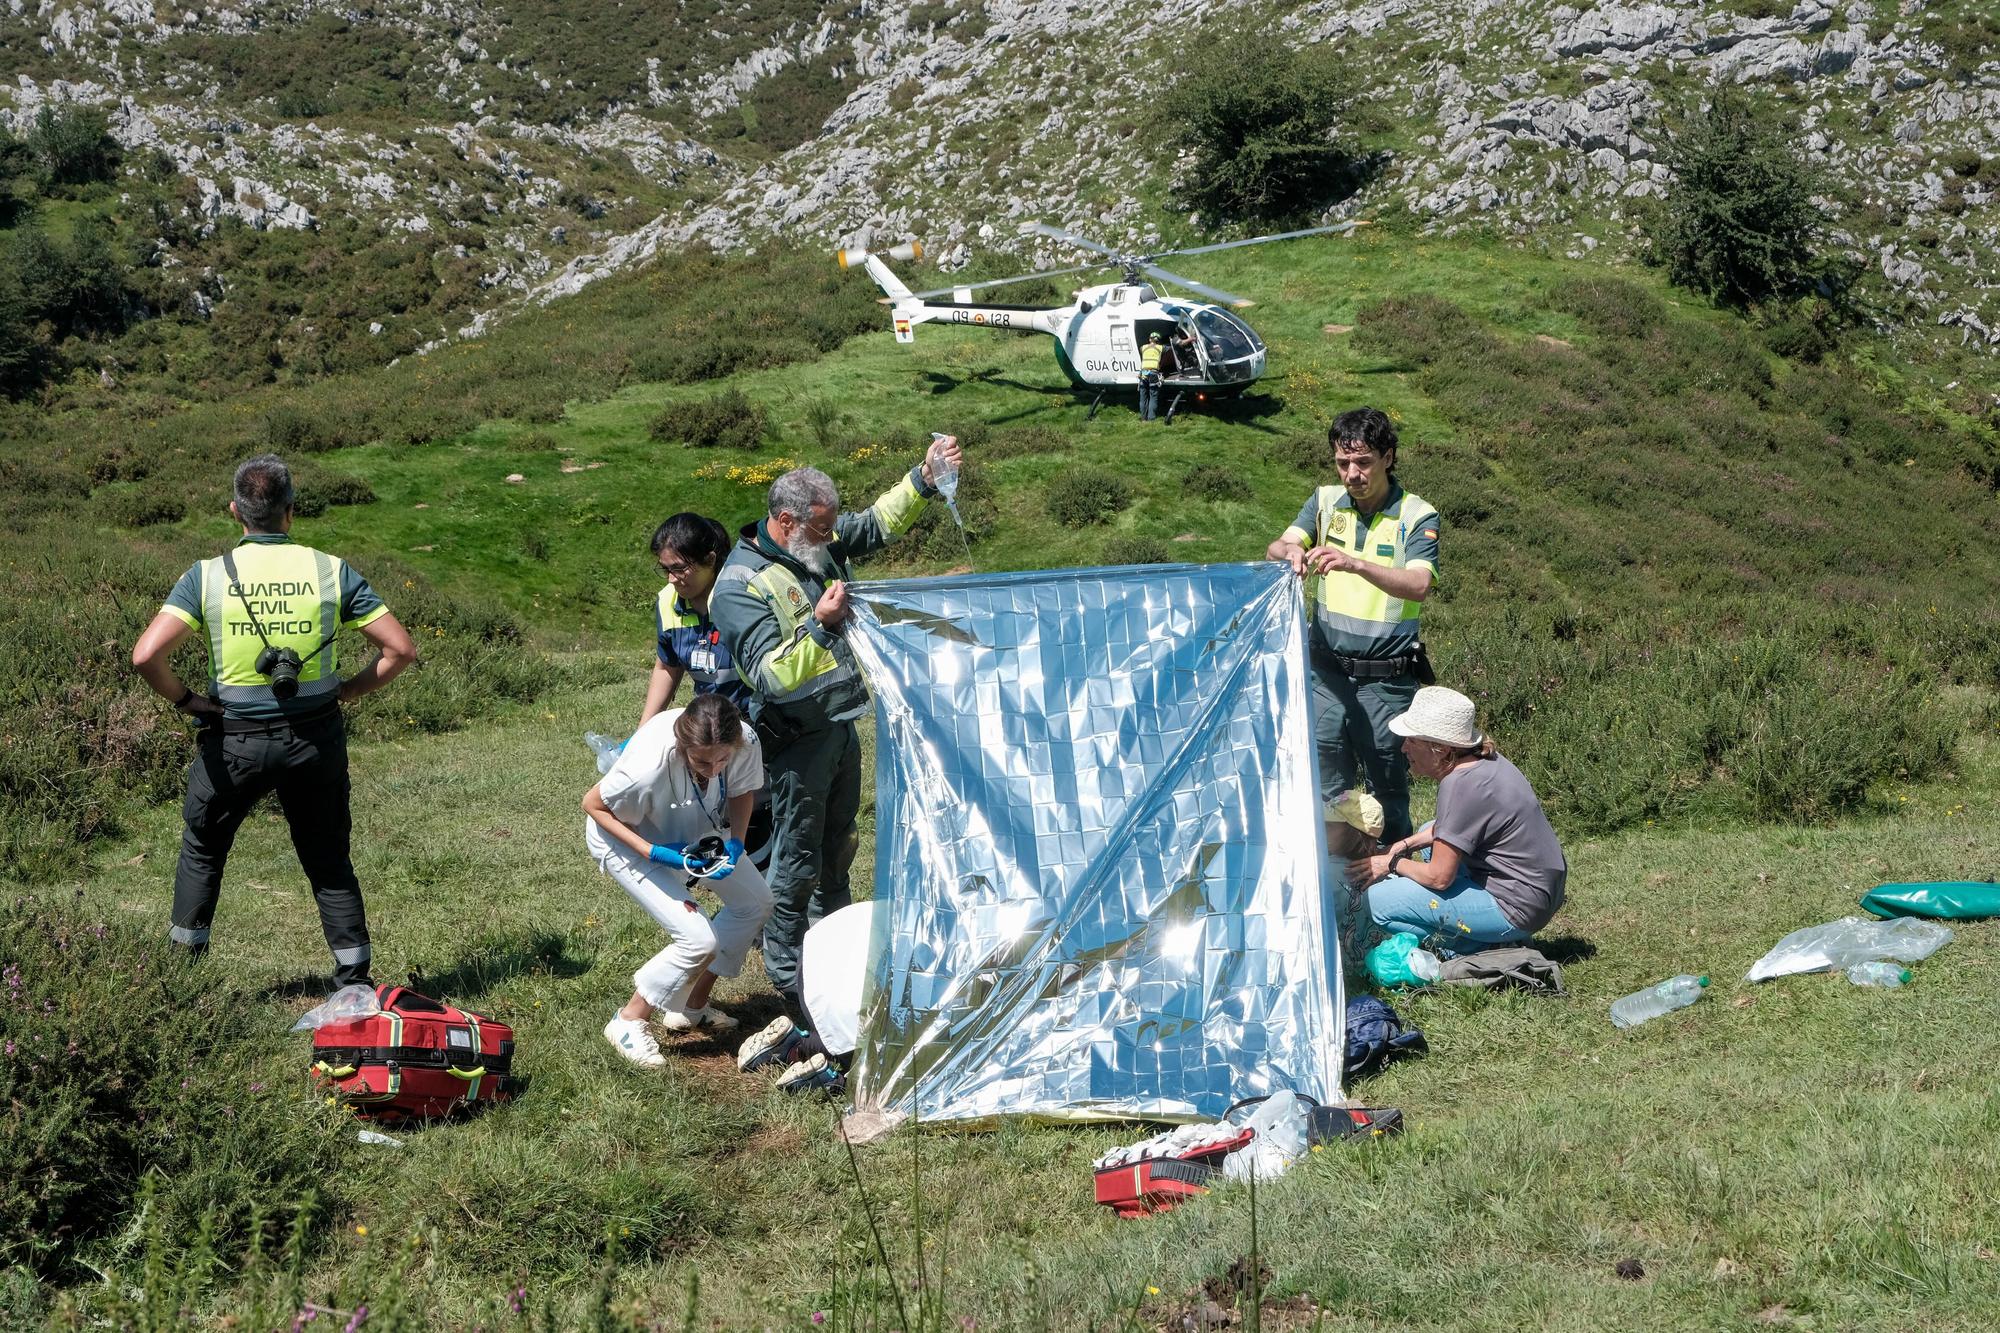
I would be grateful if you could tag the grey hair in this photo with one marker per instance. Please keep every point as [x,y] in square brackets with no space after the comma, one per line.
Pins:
[799,490]
[263,492]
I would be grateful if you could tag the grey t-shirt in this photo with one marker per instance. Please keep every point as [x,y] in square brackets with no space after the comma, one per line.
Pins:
[1487,810]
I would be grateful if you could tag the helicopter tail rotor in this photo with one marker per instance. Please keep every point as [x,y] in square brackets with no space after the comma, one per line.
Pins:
[907,252]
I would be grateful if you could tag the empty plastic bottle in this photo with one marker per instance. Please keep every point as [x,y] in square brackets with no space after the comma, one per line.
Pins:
[1878,973]
[944,473]
[605,748]
[1671,994]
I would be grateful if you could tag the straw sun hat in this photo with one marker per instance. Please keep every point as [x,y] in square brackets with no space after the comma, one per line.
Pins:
[1441,715]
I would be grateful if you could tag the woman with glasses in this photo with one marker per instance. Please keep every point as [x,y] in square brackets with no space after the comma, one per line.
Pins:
[690,550]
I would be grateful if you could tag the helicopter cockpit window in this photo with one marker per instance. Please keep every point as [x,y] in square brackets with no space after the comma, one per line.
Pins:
[1225,338]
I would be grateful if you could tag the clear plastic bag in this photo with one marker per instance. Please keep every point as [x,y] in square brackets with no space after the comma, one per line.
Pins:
[1283,1122]
[345,1003]
[1850,940]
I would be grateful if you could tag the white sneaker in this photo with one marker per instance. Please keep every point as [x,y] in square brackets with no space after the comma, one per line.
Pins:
[634,1041]
[687,1020]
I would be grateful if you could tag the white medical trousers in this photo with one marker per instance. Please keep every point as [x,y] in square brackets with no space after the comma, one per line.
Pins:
[719,945]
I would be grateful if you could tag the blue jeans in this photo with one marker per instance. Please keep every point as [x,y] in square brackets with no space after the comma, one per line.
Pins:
[1462,917]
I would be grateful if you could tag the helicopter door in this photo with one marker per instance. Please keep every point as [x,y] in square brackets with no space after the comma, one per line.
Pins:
[1124,356]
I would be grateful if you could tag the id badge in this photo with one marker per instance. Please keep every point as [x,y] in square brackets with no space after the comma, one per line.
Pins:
[702,659]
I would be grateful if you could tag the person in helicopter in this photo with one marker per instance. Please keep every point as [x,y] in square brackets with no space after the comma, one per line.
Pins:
[1181,360]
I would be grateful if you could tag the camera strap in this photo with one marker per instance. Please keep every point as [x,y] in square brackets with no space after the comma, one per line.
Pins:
[236,582]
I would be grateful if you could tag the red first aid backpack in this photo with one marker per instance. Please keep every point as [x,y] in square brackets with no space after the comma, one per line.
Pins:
[418,1059]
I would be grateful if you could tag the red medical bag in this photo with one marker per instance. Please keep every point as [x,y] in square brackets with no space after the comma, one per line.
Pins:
[417,1059]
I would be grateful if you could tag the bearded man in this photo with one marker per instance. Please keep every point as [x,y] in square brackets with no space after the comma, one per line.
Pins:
[780,604]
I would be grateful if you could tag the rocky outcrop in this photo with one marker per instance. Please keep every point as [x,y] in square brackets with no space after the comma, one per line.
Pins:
[1543,122]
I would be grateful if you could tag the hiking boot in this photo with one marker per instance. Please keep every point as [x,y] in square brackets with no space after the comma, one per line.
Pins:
[687,1020]
[634,1041]
[814,1075]
[770,1045]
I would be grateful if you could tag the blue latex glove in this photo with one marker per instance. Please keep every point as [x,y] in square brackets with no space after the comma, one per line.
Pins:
[732,853]
[671,854]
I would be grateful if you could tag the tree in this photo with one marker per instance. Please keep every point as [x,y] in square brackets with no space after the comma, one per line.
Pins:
[1263,123]
[73,145]
[1739,223]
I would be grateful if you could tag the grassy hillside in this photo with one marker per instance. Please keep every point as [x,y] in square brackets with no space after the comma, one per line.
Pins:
[1732,613]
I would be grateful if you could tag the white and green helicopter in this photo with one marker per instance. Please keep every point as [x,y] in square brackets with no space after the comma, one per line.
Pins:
[1210,351]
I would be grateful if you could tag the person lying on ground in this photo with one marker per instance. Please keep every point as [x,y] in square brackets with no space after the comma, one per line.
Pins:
[688,774]
[833,971]
[1494,873]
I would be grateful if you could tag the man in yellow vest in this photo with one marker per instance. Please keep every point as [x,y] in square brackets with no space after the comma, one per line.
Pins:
[1369,550]
[270,719]
[1149,377]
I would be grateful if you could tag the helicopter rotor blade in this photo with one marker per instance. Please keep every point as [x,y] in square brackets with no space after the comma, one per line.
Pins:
[1214,294]
[1002,282]
[1259,240]
[1058,234]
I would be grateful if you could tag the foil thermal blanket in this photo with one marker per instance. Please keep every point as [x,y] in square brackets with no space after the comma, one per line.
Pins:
[1098,835]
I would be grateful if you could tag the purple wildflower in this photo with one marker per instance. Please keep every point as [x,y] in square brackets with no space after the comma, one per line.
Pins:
[819,1316]
[514,1301]
[360,1318]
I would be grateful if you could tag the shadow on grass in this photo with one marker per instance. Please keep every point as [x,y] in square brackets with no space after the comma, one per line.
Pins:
[469,977]
[1566,949]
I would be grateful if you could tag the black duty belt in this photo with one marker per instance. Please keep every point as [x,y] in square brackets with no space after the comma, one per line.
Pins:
[1377,668]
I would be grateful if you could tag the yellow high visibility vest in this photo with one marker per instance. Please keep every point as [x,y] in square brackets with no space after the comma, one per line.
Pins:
[1354,616]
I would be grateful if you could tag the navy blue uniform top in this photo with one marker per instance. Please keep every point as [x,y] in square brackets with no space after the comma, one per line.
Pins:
[689,642]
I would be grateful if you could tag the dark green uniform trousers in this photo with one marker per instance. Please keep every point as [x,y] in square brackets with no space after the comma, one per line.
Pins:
[1351,730]
[305,763]
[815,799]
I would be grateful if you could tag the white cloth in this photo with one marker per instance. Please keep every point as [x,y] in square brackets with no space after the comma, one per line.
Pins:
[652,792]
[833,973]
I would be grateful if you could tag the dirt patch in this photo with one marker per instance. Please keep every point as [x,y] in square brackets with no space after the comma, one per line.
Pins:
[1336,328]
[1550,340]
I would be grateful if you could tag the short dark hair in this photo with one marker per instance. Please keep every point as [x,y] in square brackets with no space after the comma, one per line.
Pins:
[1364,425]
[694,537]
[263,492]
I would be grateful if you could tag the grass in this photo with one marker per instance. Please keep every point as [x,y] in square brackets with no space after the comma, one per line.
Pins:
[1825,1141]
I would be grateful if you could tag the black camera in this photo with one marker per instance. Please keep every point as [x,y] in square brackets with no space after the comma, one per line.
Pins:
[282,666]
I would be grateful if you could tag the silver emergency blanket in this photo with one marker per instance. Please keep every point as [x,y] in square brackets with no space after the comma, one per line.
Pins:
[1098,834]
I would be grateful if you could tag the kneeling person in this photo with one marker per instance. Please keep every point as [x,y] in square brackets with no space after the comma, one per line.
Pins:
[688,774]
[1495,873]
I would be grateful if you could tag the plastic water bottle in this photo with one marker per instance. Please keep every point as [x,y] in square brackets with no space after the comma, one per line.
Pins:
[1671,994]
[605,748]
[1424,965]
[1878,973]
[944,474]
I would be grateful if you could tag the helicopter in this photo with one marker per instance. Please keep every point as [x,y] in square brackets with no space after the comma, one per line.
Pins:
[1213,352]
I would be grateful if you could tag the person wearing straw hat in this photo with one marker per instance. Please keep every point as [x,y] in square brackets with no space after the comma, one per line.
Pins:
[1491,871]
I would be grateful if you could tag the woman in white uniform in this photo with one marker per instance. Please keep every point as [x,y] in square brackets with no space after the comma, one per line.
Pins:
[687,774]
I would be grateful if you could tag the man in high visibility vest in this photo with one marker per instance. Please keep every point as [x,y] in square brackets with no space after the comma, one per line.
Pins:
[1149,377]
[1368,550]
[781,604]
[270,719]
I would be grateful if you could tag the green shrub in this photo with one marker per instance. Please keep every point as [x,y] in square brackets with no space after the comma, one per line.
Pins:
[1212,481]
[145,509]
[1262,121]
[316,492]
[72,145]
[726,419]
[1077,497]
[1022,441]
[1965,162]
[125,1064]
[293,430]
[1805,331]
[1739,222]
[1128,549]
